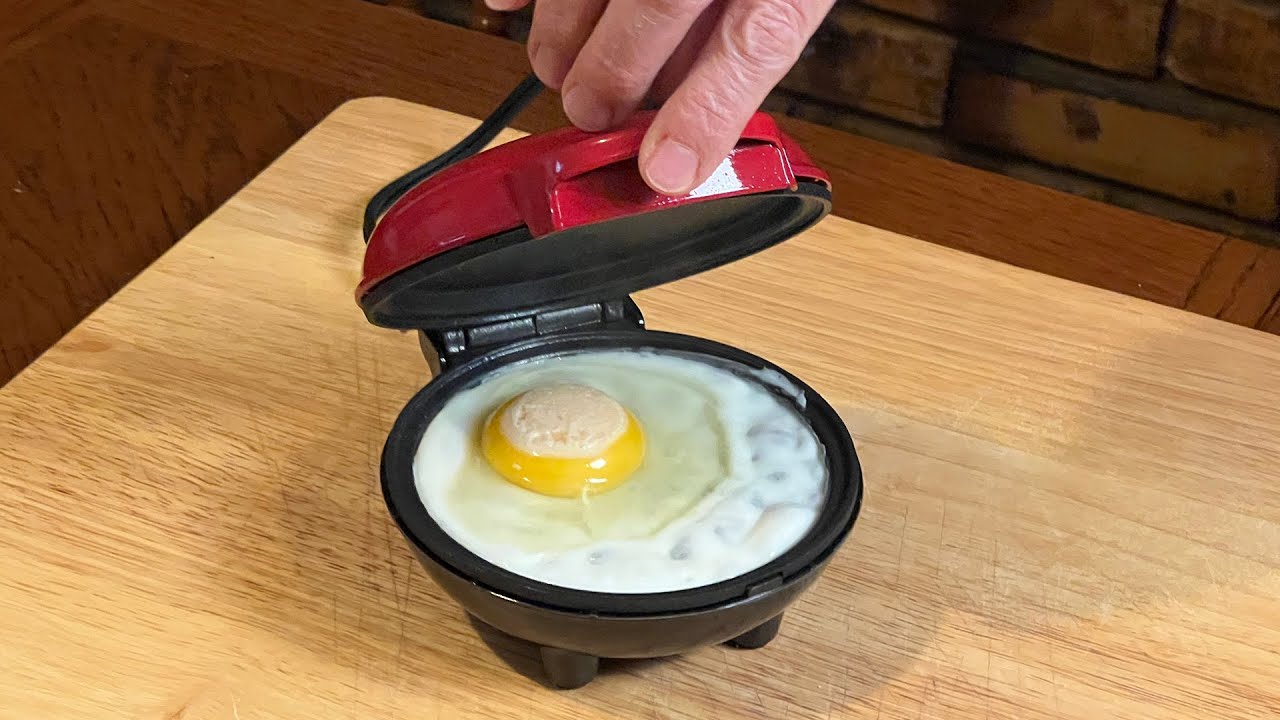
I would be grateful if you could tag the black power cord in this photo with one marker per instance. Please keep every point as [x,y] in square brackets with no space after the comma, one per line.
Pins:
[473,143]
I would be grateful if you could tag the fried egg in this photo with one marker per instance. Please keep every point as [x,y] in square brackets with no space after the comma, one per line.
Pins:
[622,471]
[563,441]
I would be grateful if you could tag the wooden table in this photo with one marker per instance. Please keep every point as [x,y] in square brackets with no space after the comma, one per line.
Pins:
[1072,504]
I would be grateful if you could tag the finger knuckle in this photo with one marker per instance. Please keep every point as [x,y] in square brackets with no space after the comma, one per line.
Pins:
[654,12]
[715,111]
[768,34]
[615,76]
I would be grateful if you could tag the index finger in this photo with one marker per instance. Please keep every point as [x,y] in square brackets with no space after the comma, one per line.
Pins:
[626,50]
[754,46]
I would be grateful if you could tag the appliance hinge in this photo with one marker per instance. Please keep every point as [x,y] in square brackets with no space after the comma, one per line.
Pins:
[446,348]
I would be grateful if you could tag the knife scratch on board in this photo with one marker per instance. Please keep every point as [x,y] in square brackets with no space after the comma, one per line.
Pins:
[962,415]
[902,543]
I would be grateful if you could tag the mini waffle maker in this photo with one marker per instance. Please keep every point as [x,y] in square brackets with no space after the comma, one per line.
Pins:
[530,250]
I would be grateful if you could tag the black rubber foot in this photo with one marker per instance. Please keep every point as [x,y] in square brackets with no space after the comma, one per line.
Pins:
[758,636]
[567,669]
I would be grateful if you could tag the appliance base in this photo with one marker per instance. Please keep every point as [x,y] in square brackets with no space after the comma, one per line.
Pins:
[569,670]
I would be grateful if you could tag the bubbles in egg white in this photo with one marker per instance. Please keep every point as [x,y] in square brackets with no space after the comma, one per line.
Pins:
[731,479]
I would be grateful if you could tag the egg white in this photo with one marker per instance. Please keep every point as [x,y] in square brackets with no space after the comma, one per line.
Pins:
[732,478]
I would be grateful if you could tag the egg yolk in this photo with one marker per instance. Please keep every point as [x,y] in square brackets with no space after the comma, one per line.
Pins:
[563,441]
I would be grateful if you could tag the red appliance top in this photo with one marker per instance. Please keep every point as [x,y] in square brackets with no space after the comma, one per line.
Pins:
[564,217]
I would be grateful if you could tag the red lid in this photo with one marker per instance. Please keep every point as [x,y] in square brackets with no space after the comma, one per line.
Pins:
[565,218]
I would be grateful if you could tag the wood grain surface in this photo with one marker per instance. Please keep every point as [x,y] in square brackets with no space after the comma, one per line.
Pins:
[140,117]
[1071,501]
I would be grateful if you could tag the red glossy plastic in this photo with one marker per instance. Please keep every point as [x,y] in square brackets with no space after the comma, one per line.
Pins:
[561,179]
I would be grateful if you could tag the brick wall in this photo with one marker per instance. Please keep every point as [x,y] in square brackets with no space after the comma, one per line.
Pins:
[1157,104]
[1167,106]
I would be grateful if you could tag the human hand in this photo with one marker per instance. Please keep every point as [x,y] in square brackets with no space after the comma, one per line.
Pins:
[709,62]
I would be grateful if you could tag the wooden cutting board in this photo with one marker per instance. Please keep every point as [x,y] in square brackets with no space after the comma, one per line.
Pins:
[1073,507]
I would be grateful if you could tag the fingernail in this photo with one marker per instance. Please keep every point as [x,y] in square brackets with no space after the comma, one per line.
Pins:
[540,59]
[586,110]
[672,168]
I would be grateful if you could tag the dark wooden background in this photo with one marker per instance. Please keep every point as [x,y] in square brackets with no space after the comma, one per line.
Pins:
[128,121]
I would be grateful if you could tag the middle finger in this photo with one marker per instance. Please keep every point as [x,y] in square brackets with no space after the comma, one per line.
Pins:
[618,63]
[557,34]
